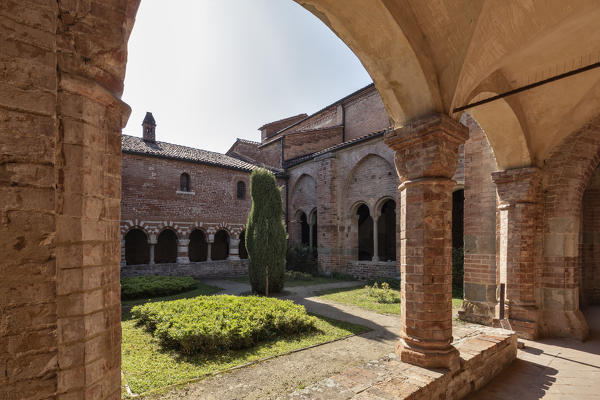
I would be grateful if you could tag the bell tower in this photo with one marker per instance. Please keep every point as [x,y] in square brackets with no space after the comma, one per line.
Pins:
[149,128]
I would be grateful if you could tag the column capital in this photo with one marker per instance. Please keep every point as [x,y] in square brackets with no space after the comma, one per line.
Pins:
[427,147]
[518,185]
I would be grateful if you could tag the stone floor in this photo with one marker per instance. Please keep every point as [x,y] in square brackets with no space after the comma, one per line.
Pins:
[552,369]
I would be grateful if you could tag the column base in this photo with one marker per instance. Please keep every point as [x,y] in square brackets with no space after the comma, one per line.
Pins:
[183,260]
[448,358]
[564,324]
[477,312]
[233,257]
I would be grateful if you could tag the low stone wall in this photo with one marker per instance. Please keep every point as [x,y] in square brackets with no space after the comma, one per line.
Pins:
[205,269]
[373,269]
[483,356]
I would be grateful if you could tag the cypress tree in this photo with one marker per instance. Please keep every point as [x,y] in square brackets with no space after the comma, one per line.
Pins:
[266,241]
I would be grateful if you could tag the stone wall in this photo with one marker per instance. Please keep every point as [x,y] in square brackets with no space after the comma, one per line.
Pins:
[372,269]
[200,270]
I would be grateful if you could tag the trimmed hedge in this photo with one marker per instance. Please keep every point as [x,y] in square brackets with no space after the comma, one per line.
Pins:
[222,322]
[155,286]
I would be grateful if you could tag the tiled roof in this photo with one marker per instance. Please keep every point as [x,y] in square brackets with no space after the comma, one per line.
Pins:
[136,145]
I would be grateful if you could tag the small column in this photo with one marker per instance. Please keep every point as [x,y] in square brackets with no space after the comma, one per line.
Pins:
[310,236]
[519,192]
[210,241]
[152,243]
[426,158]
[234,248]
[375,240]
[182,251]
[123,260]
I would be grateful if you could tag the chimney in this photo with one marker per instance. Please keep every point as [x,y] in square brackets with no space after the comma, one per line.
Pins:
[149,128]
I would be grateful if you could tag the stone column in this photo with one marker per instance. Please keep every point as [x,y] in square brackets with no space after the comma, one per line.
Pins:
[375,241]
[234,248]
[182,251]
[519,193]
[310,236]
[209,242]
[123,260]
[426,158]
[152,243]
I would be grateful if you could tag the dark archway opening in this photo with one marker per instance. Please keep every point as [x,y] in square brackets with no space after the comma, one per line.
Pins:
[243,251]
[458,270]
[305,230]
[365,233]
[137,250]
[313,227]
[198,247]
[386,231]
[590,243]
[220,247]
[166,247]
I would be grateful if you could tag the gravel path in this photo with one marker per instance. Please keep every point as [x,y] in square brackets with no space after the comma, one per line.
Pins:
[277,377]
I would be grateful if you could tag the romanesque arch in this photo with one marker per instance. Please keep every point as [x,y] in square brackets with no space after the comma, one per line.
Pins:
[165,251]
[303,195]
[386,229]
[220,246]
[370,179]
[137,250]
[198,246]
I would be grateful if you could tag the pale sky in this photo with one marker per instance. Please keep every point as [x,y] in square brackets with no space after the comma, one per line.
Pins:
[211,71]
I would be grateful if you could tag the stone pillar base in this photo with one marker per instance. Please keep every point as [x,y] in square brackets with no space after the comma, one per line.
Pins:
[448,357]
[183,260]
[561,323]
[478,312]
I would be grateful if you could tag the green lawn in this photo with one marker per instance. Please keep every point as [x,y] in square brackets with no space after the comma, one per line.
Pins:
[149,368]
[292,283]
[358,296]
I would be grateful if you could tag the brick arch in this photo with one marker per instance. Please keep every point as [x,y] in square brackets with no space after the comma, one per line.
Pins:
[565,177]
[304,194]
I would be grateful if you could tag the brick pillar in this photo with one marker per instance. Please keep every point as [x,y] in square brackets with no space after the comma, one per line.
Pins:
[480,280]
[182,251]
[426,158]
[329,252]
[151,246]
[375,240]
[234,248]
[519,208]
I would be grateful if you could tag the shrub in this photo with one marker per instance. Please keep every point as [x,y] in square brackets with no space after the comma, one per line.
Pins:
[383,294]
[222,322]
[298,276]
[301,258]
[458,272]
[392,282]
[265,233]
[154,286]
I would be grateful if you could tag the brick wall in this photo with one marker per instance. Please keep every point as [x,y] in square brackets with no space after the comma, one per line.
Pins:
[270,154]
[151,191]
[365,113]
[307,142]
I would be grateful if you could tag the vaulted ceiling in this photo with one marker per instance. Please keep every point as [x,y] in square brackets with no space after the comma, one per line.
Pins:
[436,55]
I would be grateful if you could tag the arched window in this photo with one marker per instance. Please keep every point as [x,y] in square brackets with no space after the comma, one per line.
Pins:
[365,233]
[386,228]
[137,250]
[241,190]
[184,182]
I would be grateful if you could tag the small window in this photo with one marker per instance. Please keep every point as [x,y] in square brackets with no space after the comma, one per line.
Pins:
[184,182]
[241,190]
